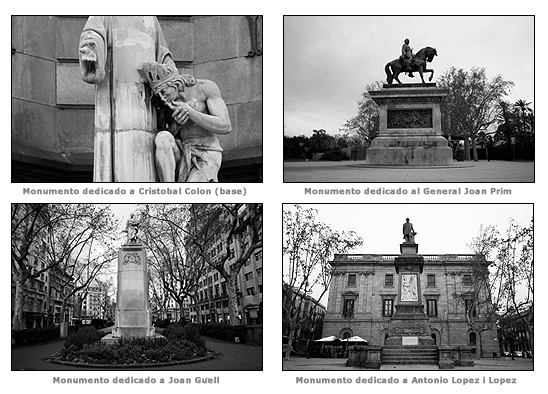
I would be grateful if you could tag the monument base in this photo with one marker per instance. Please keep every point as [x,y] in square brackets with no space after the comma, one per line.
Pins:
[133,316]
[409,127]
[434,151]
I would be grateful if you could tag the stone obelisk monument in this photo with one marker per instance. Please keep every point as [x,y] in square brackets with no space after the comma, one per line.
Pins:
[133,314]
[409,324]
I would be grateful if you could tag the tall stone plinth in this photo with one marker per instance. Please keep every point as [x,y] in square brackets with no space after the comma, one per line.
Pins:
[410,132]
[409,324]
[133,313]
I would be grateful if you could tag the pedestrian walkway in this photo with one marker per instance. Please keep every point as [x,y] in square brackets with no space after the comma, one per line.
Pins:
[338,364]
[357,171]
[232,357]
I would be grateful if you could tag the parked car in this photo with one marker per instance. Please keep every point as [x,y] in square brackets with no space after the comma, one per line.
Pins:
[518,353]
[505,354]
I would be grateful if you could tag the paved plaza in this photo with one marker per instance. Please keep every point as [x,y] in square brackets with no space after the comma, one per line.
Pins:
[231,357]
[357,171]
[338,364]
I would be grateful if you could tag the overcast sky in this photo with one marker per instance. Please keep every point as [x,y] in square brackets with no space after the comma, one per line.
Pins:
[441,228]
[328,60]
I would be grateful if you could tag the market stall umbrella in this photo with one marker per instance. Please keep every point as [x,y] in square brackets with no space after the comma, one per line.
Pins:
[330,339]
[356,339]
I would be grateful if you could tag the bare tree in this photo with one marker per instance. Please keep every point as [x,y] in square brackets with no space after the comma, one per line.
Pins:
[45,236]
[308,246]
[481,294]
[516,260]
[176,271]
[218,234]
[239,227]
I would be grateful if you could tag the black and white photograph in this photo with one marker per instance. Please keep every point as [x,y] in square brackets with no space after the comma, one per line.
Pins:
[408,288]
[126,98]
[436,98]
[143,201]
[148,287]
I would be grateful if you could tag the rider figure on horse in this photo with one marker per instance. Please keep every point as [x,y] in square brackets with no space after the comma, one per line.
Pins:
[407,57]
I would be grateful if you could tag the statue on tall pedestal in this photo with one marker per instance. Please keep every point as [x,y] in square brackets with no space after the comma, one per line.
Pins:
[408,231]
[111,51]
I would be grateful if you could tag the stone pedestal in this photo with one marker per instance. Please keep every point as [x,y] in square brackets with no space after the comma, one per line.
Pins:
[133,314]
[410,127]
[409,324]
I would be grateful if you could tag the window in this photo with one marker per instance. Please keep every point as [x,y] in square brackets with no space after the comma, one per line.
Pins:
[472,339]
[348,309]
[432,308]
[467,280]
[389,280]
[351,279]
[259,256]
[431,280]
[249,276]
[387,307]
[251,291]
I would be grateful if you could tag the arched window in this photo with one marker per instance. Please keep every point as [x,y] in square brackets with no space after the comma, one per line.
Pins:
[434,337]
[472,339]
[345,333]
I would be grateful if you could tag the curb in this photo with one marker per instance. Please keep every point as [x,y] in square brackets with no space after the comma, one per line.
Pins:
[132,366]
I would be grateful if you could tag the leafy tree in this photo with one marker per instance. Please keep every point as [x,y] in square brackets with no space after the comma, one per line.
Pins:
[506,119]
[308,246]
[471,105]
[523,109]
[364,126]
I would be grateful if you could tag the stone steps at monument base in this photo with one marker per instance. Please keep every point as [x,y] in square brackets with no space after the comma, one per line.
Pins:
[410,355]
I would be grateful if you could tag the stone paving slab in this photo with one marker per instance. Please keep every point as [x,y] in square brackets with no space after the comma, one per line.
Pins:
[356,171]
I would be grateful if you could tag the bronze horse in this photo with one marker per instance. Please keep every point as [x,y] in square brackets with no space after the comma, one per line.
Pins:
[425,55]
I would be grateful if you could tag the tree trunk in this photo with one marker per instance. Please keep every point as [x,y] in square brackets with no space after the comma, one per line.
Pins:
[196,306]
[466,148]
[289,343]
[479,348]
[181,312]
[17,320]
[63,325]
[531,341]
[474,149]
[232,299]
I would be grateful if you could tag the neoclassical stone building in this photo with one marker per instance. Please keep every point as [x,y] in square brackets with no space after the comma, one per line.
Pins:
[364,293]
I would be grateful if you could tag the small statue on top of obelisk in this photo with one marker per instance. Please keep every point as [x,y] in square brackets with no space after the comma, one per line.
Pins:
[408,231]
[132,229]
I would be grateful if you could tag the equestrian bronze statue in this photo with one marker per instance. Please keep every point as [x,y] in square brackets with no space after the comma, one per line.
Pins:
[418,63]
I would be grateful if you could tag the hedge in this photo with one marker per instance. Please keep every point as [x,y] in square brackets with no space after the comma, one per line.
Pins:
[32,336]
